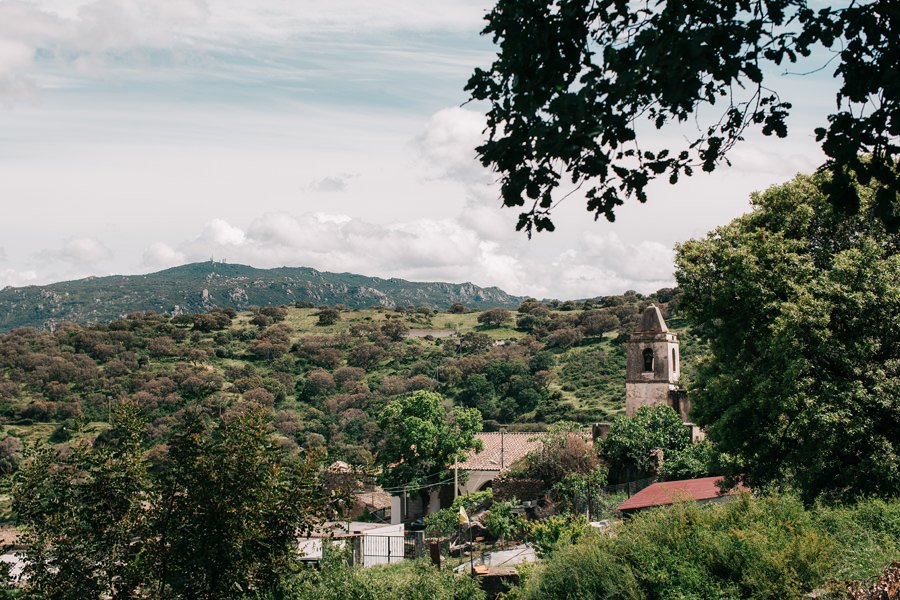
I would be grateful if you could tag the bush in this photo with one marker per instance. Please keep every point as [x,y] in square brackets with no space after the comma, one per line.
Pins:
[445,522]
[503,523]
[328,316]
[395,330]
[557,531]
[628,446]
[770,547]
[564,338]
[494,317]
[10,455]
[410,580]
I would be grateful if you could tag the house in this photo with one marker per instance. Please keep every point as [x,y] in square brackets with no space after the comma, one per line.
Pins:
[500,450]
[375,501]
[663,493]
[476,472]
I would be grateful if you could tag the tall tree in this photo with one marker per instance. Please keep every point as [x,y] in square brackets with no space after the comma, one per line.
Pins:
[423,436]
[631,442]
[802,307]
[81,513]
[578,86]
[230,508]
[219,521]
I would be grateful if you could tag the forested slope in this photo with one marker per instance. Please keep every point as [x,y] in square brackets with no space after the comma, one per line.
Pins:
[323,384]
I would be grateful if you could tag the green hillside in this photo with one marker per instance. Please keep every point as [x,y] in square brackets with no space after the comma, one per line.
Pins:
[324,384]
[200,287]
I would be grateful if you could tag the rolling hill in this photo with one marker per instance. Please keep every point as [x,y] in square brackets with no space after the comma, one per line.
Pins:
[199,287]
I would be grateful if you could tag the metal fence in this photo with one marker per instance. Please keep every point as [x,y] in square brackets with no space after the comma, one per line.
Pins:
[371,550]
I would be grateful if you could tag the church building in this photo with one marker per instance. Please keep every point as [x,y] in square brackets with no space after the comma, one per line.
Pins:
[654,367]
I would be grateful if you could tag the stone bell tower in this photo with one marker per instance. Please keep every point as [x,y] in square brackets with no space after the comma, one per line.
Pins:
[653,366]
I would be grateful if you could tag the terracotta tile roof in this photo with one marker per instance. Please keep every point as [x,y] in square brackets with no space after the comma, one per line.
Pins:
[669,492]
[377,499]
[513,446]
[8,536]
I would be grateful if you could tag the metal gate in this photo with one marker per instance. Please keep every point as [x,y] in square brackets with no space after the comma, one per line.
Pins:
[371,550]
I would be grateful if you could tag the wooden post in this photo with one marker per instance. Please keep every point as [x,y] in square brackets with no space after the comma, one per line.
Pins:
[455,478]
[471,553]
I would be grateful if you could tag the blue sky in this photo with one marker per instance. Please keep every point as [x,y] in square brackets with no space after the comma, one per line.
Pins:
[140,134]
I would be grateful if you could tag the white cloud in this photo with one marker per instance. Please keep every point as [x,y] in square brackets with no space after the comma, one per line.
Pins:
[93,36]
[644,261]
[447,249]
[82,252]
[2,254]
[221,233]
[161,256]
[11,277]
[448,146]
[331,183]
[14,56]
[753,159]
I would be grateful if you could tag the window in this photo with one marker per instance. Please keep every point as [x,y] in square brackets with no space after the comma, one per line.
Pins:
[648,360]
[674,361]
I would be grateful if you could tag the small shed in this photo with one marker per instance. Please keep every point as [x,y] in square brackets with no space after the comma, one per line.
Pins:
[705,489]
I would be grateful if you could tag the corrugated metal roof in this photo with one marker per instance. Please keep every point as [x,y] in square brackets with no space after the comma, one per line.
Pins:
[669,492]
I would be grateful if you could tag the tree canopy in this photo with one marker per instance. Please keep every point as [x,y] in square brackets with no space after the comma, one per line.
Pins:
[802,308]
[423,436]
[631,442]
[578,87]
[218,519]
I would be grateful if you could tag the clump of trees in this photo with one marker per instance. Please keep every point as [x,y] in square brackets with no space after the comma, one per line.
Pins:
[653,442]
[216,517]
[423,436]
[800,303]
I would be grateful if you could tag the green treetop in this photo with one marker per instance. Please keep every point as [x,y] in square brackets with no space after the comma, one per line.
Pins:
[423,436]
[802,307]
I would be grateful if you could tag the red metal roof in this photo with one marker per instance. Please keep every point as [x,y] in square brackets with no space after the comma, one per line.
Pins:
[669,492]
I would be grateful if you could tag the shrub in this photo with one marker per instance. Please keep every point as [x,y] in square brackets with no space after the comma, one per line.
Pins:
[770,547]
[10,455]
[328,316]
[410,580]
[494,317]
[564,338]
[503,523]
[557,531]
[445,522]
[395,330]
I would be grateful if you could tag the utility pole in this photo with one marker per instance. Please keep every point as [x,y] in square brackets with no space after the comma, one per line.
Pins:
[455,478]
[502,461]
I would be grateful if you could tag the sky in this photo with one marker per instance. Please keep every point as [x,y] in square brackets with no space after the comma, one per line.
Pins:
[137,135]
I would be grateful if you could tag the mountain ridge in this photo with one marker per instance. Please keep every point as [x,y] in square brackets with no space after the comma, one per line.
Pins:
[198,287]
